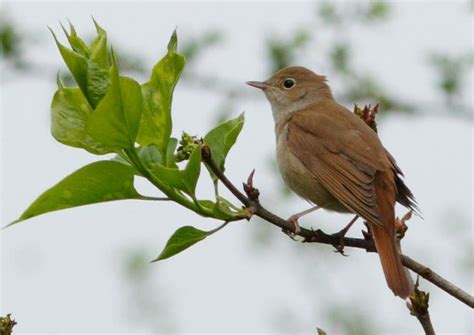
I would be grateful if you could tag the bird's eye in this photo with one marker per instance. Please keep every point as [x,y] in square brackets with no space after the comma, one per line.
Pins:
[289,83]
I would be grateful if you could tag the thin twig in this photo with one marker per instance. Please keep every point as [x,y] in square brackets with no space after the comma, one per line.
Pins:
[145,197]
[425,322]
[439,281]
[418,305]
[319,236]
[218,228]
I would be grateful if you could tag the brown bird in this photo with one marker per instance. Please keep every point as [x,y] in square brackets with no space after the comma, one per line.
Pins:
[332,158]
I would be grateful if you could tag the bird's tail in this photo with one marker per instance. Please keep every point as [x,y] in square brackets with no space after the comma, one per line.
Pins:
[386,244]
[397,278]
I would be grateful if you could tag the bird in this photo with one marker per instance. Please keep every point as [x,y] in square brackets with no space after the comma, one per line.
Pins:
[329,156]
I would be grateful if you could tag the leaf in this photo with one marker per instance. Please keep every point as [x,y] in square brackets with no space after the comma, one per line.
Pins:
[182,239]
[223,209]
[75,41]
[221,139]
[89,66]
[98,80]
[184,180]
[98,48]
[75,62]
[192,171]
[170,159]
[156,124]
[70,112]
[97,182]
[115,121]
[98,83]
[321,332]
[6,324]
[150,156]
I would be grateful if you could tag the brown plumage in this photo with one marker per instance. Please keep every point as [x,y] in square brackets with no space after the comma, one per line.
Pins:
[329,156]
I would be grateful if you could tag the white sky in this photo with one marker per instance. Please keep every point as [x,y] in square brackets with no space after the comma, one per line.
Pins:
[62,272]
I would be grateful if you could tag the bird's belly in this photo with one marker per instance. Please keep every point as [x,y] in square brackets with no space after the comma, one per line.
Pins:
[302,182]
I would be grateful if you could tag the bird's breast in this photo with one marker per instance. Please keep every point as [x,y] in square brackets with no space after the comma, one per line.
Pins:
[301,181]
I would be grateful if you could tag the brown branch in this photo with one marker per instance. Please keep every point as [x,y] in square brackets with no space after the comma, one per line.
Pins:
[425,322]
[439,281]
[319,236]
[418,304]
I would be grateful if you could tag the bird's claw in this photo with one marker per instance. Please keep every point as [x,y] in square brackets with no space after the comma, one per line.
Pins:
[290,234]
[340,245]
[294,221]
[297,230]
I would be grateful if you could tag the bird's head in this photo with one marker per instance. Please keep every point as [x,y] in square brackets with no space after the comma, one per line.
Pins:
[292,89]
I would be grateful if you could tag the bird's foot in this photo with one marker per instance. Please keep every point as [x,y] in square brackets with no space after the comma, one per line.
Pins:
[297,229]
[339,246]
[341,234]
[294,221]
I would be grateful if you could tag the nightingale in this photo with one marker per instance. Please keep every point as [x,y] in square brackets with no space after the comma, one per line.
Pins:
[332,158]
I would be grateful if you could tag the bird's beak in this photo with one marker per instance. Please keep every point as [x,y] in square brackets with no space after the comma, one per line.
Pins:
[258,84]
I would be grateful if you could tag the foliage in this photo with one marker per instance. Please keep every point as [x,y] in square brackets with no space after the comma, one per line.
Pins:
[184,238]
[366,13]
[110,113]
[201,43]
[283,52]
[451,70]
[11,43]
[8,37]
[97,182]
[7,324]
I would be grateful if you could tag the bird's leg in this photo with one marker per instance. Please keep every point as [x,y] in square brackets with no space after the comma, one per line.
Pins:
[342,233]
[294,220]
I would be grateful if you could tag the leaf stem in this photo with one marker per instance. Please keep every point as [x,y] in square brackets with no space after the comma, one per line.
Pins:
[210,232]
[131,153]
[145,197]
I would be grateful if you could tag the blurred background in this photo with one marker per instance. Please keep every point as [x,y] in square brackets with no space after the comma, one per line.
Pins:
[87,270]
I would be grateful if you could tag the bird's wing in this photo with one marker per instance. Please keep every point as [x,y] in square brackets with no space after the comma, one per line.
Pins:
[342,154]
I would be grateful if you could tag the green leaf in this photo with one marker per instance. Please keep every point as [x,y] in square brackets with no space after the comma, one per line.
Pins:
[98,80]
[6,324]
[150,156]
[221,139]
[170,159]
[115,121]
[156,124]
[75,41]
[97,182]
[223,209]
[182,239]
[89,66]
[98,48]
[184,180]
[172,177]
[98,83]
[76,63]
[192,171]
[70,112]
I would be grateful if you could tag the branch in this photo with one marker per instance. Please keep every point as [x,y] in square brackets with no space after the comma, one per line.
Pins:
[319,236]
[425,322]
[418,304]
[437,280]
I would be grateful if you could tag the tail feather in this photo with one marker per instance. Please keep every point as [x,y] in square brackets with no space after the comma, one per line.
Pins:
[404,195]
[395,275]
[384,237]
